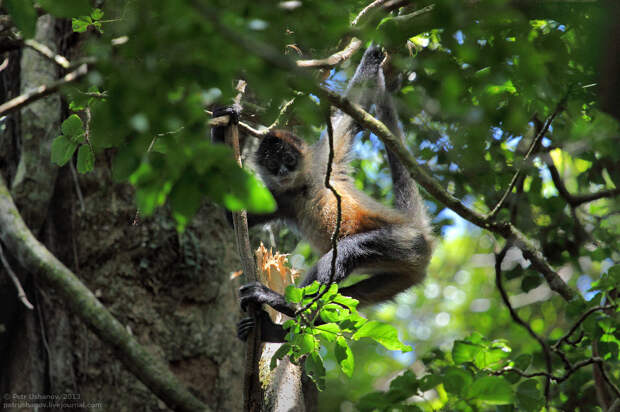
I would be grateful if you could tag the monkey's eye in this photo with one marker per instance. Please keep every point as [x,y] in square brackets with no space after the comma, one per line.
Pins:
[289,160]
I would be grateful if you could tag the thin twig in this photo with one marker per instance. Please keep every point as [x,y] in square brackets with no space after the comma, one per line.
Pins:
[577,199]
[517,319]
[48,53]
[335,59]
[283,110]
[87,130]
[42,91]
[366,10]
[532,149]
[336,233]
[78,190]
[223,120]
[581,319]
[559,379]
[21,294]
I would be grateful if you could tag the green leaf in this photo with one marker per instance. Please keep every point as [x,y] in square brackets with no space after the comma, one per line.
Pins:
[227,184]
[373,401]
[464,352]
[311,289]
[280,353]
[530,281]
[344,356]
[383,333]
[79,25]
[293,294]
[329,331]
[333,313]
[315,370]
[23,15]
[429,382]
[523,361]
[529,396]
[346,301]
[72,126]
[97,14]
[456,380]
[66,8]
[331,292]
[305,342]
[62,150]
[85,160]
[403,387]
[185,198]
[491,389]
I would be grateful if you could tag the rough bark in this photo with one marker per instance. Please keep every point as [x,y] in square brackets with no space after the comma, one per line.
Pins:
[171,291]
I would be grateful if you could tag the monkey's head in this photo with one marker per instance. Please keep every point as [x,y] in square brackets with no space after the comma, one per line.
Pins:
[279,160]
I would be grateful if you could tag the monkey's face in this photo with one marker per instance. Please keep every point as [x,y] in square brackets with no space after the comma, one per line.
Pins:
[279,159]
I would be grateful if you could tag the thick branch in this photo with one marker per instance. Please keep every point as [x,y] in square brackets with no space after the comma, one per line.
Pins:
[42,91]
[33,256]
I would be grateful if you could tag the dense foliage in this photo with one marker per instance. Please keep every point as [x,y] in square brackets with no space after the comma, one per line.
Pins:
[498,98]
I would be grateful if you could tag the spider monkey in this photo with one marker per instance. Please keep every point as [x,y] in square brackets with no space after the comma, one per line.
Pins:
[394,245]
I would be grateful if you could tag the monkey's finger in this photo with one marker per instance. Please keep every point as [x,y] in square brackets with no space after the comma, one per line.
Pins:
[244,327]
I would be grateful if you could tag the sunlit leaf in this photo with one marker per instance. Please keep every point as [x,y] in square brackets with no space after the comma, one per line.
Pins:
[383,333]
[344,356]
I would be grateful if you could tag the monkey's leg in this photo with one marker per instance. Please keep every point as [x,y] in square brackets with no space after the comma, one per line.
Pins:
[390,249]
[380,287]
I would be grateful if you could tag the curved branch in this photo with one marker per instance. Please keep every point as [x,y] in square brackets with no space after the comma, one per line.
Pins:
[33,256]
[362,14]
[578,199]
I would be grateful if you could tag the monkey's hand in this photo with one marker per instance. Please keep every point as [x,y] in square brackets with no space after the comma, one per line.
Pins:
[258,293]
[217,132]
[270,331]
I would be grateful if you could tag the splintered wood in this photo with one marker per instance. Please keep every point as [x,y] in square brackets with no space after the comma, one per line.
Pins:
[274,273]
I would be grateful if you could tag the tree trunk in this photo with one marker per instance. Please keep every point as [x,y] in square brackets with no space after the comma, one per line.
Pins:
[171,291]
